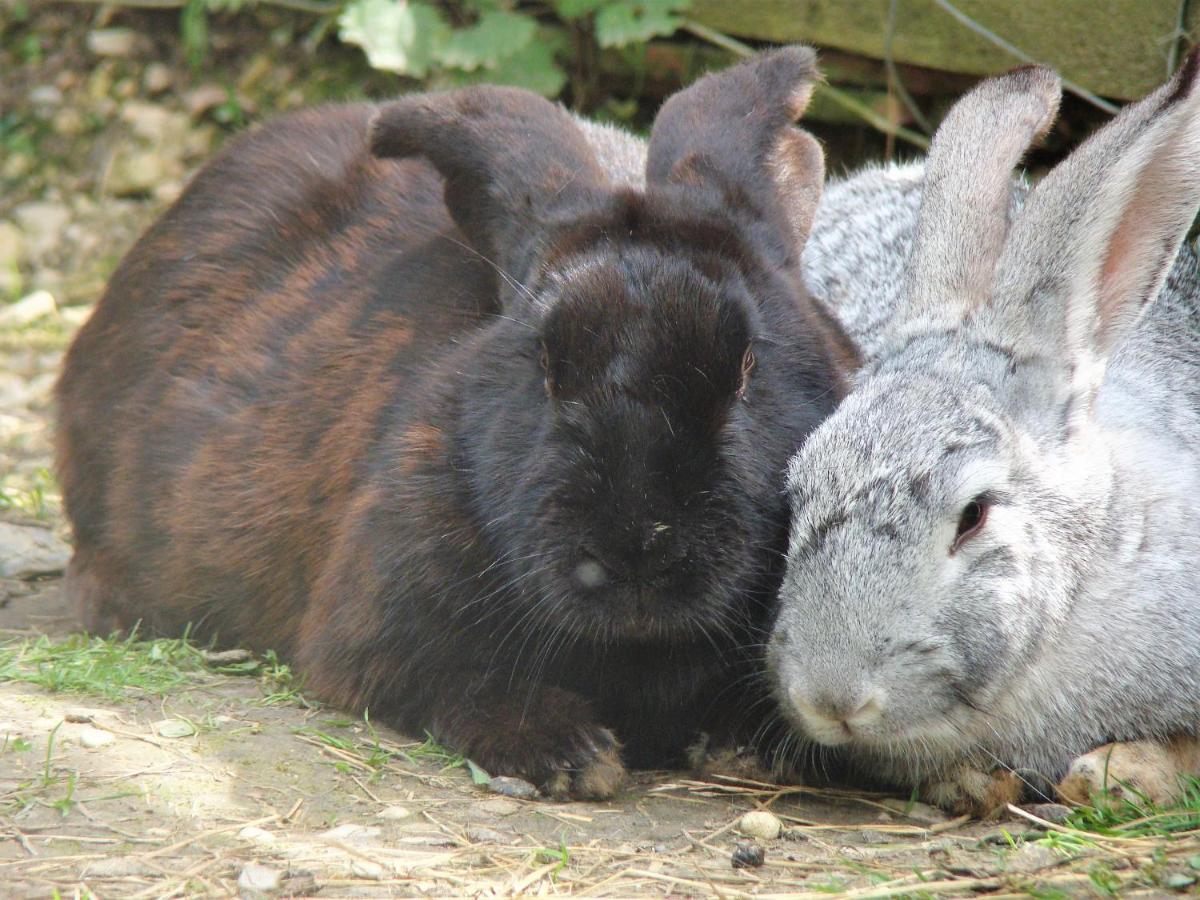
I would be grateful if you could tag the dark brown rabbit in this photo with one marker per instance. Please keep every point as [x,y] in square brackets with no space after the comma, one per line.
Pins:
[412,395]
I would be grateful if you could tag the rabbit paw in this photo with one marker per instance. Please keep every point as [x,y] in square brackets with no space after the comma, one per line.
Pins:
[729,760]
[589,769]
[970,791]
[1137,771]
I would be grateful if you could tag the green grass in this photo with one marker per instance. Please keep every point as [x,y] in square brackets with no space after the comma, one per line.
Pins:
[118,668]
[114,668]
[1163,842]
[1122,817]
[34,495]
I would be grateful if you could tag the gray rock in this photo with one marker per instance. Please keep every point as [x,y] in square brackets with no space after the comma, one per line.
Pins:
[27,551]
[507,786]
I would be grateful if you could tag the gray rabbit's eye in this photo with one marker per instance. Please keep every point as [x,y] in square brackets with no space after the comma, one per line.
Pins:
[971,522]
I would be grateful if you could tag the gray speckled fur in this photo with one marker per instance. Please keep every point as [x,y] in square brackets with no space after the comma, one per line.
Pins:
[1074,618]
[622,155]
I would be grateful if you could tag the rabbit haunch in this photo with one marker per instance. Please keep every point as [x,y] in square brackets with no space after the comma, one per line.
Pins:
[995,540]
[482,433]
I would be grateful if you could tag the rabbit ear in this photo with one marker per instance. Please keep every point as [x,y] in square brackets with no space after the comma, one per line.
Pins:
[733,131]
[968,187]
[508,156]
[1098,235]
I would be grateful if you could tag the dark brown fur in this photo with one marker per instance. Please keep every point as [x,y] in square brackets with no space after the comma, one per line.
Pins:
[353,409]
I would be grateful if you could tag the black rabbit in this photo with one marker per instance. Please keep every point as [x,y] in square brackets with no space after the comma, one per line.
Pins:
[476,440]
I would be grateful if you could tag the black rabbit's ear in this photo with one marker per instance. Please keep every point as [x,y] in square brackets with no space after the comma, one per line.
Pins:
[509,158]
[733,130]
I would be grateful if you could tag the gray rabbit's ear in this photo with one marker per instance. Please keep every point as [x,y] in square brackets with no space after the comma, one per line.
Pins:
[1097,237]
[733,131]
[968,188]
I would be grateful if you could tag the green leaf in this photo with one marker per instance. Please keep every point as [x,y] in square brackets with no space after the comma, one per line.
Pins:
[577,9]
[397,36]
[636,21]
[532,67]
[478,775]
[495,37]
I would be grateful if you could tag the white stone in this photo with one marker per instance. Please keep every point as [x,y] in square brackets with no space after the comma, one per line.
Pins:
[760,824]
[394,812]
[37,305]
[94,738]
[120,42]
[259,879]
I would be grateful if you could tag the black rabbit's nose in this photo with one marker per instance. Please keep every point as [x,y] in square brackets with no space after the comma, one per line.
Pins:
[660,550]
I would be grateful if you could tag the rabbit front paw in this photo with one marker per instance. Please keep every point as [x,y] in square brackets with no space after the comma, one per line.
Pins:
[1137,771]
[588,768]
[970,791]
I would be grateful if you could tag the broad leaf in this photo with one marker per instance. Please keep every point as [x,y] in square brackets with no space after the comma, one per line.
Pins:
[495,37]
[397,36]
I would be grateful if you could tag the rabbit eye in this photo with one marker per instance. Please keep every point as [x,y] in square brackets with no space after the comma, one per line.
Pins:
[749,361]
[971,522]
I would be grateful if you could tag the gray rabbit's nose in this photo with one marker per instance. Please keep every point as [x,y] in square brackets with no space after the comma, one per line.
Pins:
[848,711]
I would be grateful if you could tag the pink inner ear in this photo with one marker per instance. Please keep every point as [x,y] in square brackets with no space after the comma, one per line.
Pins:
[797,166]
[1144,243]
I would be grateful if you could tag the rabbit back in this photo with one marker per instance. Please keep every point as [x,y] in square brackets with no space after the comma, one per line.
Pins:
[239,367]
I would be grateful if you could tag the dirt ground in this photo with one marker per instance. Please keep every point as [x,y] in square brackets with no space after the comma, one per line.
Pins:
[218,788]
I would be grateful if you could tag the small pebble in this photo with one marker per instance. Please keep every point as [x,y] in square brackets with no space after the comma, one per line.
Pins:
[92,738]
[394,812]
[748,855]
[113,42]
[259,879]
[760,824]
[508,786]
[156,78]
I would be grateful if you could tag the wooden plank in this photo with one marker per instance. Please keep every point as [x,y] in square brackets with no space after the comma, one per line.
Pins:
[1116,48]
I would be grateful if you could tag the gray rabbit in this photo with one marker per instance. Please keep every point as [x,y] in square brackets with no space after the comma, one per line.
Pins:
[994,564]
